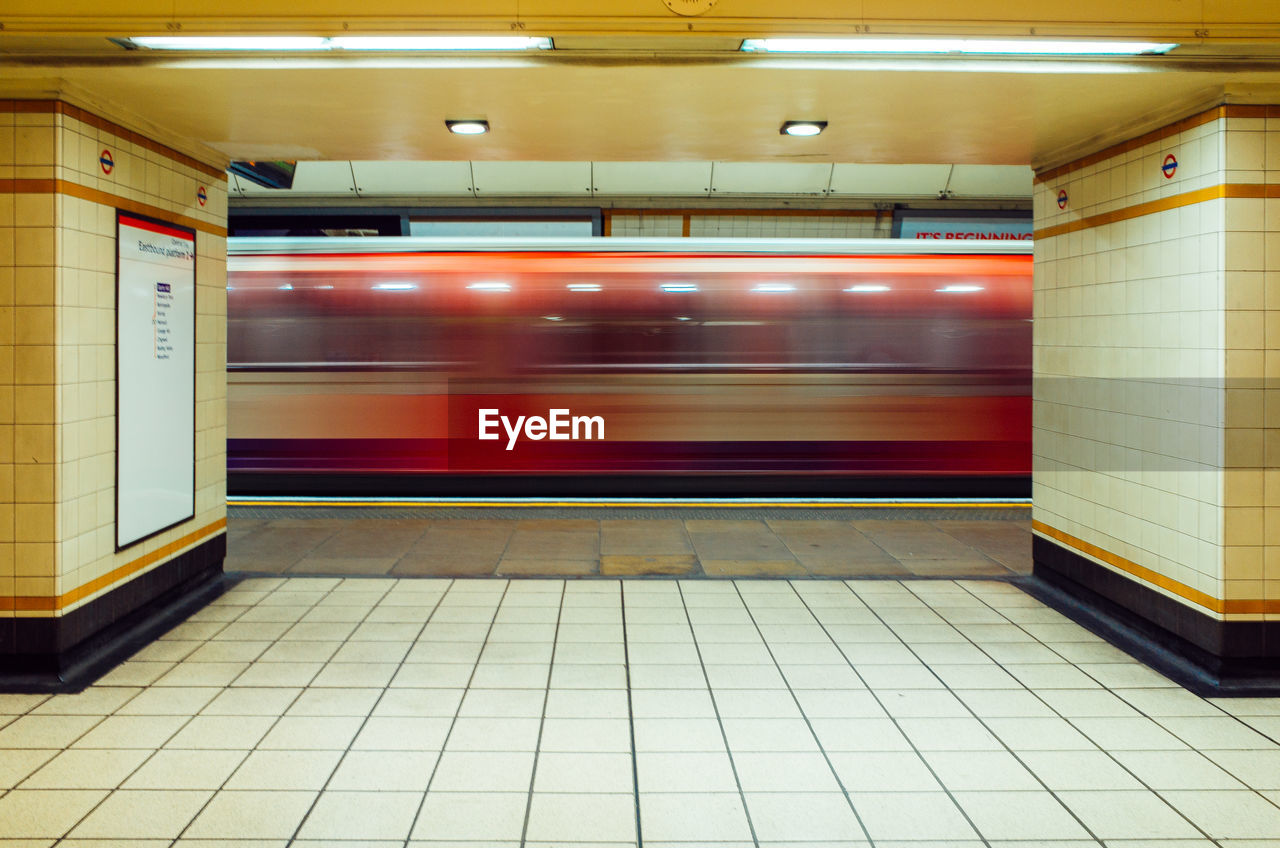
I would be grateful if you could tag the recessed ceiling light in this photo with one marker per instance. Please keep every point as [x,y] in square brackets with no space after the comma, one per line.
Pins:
[678,287]
[395,43]
[583,287]
[979,46]
[959,289]
[867,289]
[491,286]
[774,288]
[803,127]
[468,127]
[395,287]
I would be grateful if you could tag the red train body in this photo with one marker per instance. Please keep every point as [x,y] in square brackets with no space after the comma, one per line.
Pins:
[368,370]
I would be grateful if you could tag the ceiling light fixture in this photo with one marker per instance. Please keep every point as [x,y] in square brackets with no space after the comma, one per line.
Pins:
[977,46]
[774,288]
[862,289]
[583,287]
[959,289]
[803,128]
[395,287]
[495,286]
[467,127]
[678,287]
[397,44]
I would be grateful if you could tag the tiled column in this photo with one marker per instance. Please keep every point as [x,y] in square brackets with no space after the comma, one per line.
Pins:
[1157,354]
[62,583]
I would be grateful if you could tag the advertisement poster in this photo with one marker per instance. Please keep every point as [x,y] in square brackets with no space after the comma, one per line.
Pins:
[155,376]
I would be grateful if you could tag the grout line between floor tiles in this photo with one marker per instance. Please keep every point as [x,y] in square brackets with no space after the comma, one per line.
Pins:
[1109,753]
[338,763]
[150,686]
[715,706]
[444,743]
[800,707]
[914,748]
[542,721]
[1049,706]
[631,713]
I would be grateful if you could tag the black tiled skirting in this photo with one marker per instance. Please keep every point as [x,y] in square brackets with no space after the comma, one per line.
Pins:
[1208,656]
[66,653]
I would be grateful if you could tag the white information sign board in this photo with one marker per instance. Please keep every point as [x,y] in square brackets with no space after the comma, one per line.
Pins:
[155,376]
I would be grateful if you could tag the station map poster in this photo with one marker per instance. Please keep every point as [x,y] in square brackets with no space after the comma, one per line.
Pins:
[155,376]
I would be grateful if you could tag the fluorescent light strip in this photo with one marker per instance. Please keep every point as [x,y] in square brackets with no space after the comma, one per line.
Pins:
[490,286]
[959,289]
[583,287]
[678,287]
[277,43]
[774,288]
[861,289]
[989,47]
[395,286]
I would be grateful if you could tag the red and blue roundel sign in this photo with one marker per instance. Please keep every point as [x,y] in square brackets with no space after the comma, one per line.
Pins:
[202,196]
[107,161]
[1169,166]
[1062,198]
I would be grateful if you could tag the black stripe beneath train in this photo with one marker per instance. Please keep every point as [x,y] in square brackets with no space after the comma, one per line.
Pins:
[435,485]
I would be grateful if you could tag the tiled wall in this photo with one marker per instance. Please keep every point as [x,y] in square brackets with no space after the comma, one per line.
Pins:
[57,334]
[752,225]
[1151,293]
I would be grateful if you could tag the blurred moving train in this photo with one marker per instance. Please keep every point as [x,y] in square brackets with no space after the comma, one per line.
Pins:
[718,367]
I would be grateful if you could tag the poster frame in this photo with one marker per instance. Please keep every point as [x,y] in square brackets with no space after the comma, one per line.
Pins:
[195,293]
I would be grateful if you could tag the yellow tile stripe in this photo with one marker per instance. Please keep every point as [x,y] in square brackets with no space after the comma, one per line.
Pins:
[94,195]
[1219,605]
[1218,192]
[38,603]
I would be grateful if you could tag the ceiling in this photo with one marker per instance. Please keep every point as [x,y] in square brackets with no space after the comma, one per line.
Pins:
[620,180]
[633,82]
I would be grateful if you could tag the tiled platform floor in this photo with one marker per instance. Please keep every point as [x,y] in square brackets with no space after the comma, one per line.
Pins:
[682,714]
[743,547]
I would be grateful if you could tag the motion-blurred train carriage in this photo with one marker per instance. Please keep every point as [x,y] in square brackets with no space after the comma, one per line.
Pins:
[822,368]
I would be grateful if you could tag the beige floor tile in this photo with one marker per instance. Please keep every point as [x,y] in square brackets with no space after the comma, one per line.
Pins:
[690,818]
[77,769]
[170,700]
[402,733]
[472,816]
[55,731]
[311,733]
[222,732]
[479,771]
[94,701]
[204,769]
[48,813]
[278,770]
[132,732]
[361,815]
[250,701]
[141,814]
[251,815]
[1127,815]
[582,818]
[18,763]
[384,771]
